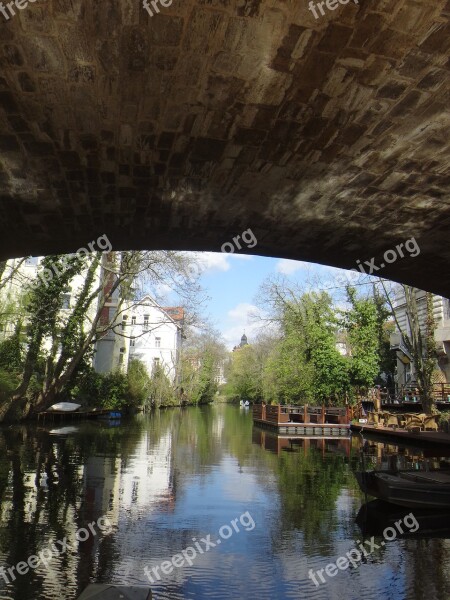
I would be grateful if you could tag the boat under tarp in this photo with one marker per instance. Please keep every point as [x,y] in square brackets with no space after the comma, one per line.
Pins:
[412,489]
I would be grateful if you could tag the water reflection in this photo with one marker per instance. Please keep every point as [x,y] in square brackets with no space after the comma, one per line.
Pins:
[181,474]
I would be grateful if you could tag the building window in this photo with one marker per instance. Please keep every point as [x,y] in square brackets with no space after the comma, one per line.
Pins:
[133,342]
[146,318]
[158,342]
[155,364]
[65,301]
[446,308]
[133,320]
[124,321]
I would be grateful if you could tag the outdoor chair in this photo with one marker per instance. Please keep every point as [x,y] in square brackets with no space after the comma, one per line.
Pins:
[390,420]
[429,423]
[373,418]
[414,422]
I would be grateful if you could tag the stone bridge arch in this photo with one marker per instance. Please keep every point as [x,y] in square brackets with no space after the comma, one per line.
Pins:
[328,137]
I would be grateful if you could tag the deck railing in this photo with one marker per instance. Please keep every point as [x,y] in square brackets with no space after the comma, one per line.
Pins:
[302,414]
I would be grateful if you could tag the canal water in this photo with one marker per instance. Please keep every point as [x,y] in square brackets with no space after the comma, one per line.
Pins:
[213,507]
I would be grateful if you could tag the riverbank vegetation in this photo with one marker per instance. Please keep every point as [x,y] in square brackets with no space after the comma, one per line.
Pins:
[319,351]
[48,356]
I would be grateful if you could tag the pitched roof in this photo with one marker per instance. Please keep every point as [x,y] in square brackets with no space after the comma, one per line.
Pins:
[175,312]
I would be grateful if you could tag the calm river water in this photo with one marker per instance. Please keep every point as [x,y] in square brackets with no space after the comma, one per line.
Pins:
[149,486]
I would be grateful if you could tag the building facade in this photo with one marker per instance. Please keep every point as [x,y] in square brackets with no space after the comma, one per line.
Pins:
[152,334]
[441,311]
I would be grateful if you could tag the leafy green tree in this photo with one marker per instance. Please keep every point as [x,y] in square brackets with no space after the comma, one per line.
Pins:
[361,322]
[288,378]
[12,352]
[202,356]
[245,374]
[139,383]
[315,322]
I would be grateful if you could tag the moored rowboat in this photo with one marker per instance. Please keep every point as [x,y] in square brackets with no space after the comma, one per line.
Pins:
[412,489]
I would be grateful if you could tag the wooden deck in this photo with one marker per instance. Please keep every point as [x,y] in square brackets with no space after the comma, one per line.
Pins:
[303,420]
[420,437]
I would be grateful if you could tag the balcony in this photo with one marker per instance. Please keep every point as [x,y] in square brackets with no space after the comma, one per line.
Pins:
[397,343]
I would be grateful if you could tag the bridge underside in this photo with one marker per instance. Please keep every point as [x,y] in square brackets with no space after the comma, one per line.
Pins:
[328,137]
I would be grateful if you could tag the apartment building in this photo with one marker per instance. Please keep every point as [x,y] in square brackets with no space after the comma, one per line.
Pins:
[441,312]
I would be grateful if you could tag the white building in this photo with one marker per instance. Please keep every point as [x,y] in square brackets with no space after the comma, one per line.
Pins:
[153,334]
[25,272]
[142,330]
[441,312]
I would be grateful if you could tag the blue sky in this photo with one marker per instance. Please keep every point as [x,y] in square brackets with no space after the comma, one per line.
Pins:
[232,282]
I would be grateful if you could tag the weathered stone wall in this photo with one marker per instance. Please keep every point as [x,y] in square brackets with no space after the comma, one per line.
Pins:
[329,137]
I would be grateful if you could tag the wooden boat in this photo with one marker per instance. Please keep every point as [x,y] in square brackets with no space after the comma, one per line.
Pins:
[97,591]
[65,407]
[412,489]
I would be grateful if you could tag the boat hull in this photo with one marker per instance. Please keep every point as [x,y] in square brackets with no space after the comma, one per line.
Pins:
[407,489]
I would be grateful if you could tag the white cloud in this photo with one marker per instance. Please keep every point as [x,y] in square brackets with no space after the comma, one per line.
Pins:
[288,267]
[241,256]
[242,318]
[211,262]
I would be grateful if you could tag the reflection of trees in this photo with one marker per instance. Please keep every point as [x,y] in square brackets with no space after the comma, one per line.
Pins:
[309,488]
[428,577]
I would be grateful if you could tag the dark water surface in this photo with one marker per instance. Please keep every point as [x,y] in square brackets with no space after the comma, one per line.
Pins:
[162,480]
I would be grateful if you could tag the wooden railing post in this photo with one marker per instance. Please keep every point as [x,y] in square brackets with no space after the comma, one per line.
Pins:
[305,414]
[323,414]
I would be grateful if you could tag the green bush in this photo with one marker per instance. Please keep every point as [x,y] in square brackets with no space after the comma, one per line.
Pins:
[108,390]
[11,354]
[139,383]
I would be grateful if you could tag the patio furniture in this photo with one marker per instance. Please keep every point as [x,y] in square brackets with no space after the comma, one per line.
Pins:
[430,424]
[414,422]
[373,418]
[390,420]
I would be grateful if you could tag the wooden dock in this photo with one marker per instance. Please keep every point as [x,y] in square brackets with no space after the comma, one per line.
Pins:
[282,443]
[420,438]
[62,415]
[303,420]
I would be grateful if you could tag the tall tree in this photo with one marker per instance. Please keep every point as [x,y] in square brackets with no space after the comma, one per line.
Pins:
[73,332]
[361,323]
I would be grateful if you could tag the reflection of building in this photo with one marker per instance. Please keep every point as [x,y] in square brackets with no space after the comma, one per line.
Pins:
[219,376]
[441,312]
[143,485]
